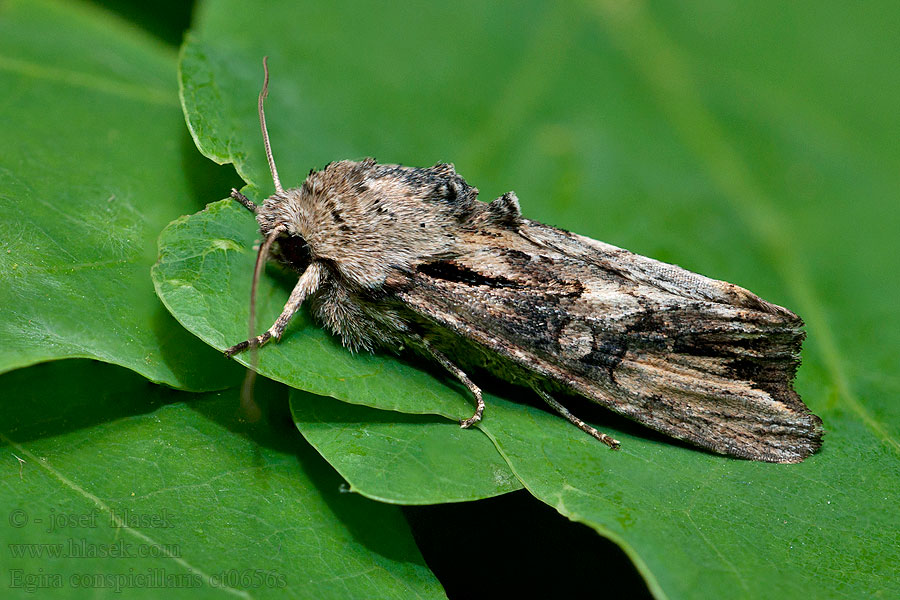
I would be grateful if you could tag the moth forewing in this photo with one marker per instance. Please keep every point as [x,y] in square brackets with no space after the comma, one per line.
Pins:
[396,258]
[699,359]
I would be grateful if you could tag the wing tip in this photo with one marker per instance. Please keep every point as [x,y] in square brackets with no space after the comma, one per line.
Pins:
[744,298]
[803,439]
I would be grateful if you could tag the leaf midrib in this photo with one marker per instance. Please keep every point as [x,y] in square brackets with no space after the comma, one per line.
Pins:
[89,81]
[105,508]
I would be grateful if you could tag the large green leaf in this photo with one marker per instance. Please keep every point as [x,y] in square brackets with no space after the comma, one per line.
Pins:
[755,149]
[406,459]
[729,519]
[126,487]
[695,523]
[94,161]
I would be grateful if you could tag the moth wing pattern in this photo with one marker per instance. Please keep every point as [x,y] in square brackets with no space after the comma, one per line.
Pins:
[699,359]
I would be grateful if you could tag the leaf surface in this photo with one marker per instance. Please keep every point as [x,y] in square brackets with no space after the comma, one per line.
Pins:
[402,458]
[94,161]
[125,487]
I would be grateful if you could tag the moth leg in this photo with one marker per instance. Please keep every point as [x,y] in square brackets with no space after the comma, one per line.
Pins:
[609,441]
[247,202]
[462,377]
[307,284]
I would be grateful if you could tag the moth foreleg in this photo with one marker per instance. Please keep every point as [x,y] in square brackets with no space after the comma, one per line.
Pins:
[464,379]
[307,284]
[609,441]
[247,202]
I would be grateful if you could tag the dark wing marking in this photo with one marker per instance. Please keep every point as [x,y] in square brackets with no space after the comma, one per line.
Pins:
[698,359]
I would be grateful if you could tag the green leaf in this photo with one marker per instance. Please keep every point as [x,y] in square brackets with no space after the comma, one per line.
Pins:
[685,517]
[127,487]
[755,149]
[94,161]
[404,459]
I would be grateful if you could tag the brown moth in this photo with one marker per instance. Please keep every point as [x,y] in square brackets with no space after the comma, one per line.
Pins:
[393,257]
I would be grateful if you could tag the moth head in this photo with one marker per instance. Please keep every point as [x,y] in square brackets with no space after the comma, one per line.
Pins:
[280,238]
[292,250]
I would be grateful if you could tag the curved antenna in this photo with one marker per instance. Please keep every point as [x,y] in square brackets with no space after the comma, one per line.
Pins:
[262,123]
[261,257]
[250,407]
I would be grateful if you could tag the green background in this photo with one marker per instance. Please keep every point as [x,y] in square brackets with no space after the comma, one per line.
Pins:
[753,143]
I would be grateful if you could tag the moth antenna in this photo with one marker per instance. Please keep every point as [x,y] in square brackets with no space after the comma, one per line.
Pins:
[250,408]
[262,124]
[261,257]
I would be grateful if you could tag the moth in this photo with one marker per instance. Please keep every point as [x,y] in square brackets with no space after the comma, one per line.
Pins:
[399,258]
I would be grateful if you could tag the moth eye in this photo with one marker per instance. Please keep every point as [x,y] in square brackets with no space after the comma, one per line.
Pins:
[294,252]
